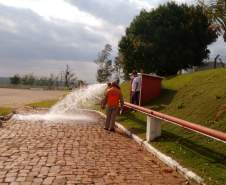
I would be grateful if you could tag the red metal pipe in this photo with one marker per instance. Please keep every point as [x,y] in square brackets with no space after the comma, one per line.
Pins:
[221,136]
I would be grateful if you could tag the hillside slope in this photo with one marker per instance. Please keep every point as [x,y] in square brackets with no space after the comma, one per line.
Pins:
[199,97]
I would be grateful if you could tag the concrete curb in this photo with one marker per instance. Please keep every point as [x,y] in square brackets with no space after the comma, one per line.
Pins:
[164,158]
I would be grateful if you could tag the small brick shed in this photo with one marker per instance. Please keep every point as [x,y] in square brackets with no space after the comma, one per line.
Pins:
[150,87]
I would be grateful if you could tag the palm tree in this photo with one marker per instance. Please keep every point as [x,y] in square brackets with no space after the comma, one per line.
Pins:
[216,11]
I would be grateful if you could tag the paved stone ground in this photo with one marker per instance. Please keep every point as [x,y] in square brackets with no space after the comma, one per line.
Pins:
[42,153]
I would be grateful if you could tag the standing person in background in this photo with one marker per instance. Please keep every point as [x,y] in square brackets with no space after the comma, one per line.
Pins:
[113,99]
[134,72]
[136,85]
[132,76]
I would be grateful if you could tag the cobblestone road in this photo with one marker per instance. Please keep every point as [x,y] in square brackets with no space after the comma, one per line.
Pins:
[76,153]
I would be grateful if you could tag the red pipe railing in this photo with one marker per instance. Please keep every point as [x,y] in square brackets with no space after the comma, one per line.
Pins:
[218,135]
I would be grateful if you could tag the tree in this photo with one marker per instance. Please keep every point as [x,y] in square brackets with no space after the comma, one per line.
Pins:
[215,61]
[118,67]
[166,40]
[105,69]
[42,81]
[216,11]
[51,81]
[15,79]
[28,79]
[69,77]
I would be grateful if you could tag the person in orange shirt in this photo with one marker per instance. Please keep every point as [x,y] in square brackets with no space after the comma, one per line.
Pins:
[113,100]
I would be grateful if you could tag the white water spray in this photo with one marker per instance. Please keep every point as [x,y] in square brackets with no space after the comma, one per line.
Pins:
[71,107]
[79,99]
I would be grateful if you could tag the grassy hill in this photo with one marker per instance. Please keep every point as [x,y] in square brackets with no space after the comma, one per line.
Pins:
[199,97]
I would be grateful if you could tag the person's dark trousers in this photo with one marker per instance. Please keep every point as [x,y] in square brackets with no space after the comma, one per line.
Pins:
[110,120]
[136,97]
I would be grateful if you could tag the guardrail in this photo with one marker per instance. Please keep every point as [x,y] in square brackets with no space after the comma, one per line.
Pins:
[154,124]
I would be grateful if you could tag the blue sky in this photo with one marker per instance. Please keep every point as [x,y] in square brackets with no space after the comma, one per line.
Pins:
[42,36]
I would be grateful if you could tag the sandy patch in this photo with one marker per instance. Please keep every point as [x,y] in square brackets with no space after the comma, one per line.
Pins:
[19,97]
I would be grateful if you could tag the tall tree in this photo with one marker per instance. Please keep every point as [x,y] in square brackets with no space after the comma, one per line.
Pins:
[51,81]
[28,79]
[69,77]
[216,11]
[166,40]
[15,79]
[215,61]
[105,69]
[118,68]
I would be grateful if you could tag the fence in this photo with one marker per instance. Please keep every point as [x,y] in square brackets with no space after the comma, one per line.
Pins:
[154,124]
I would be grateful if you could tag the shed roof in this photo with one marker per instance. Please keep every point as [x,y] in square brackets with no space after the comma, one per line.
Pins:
[152,75]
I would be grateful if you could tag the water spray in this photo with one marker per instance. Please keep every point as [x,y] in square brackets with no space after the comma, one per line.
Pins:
[71,107]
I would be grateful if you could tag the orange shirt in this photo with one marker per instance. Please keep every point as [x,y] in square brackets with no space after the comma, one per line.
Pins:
[113,97]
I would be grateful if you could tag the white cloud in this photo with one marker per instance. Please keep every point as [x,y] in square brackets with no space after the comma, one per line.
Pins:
[116,12]
[142,4]
[36,38]
[186,1]
[218,47]
[7,25]
[55,9]
[42,36]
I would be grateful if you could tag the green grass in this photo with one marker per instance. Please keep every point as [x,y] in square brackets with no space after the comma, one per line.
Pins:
[5,110]
[43,104]
[199,97]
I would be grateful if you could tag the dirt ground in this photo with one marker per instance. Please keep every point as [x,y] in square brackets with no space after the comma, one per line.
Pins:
[19,97]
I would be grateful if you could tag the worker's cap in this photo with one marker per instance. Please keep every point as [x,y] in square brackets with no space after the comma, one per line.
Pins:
[114,83]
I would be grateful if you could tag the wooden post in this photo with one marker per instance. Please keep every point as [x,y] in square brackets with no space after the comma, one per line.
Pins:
[153,128]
